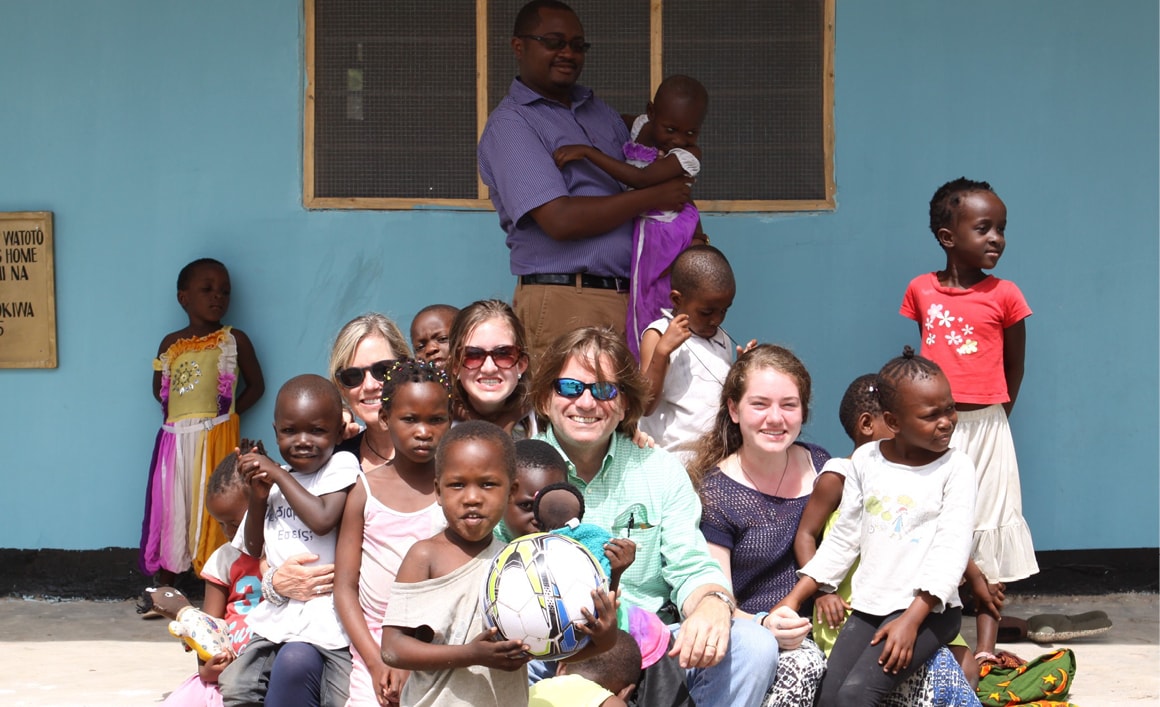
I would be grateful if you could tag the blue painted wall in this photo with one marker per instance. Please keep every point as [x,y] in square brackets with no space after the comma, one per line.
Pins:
[163,131]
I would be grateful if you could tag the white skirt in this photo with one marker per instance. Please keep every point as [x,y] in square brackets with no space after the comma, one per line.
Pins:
[1002,546]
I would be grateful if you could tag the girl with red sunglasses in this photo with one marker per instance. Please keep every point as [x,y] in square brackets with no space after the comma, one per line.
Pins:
[489,367]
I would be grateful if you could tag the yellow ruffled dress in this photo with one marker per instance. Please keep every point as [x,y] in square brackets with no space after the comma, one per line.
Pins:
[198,382]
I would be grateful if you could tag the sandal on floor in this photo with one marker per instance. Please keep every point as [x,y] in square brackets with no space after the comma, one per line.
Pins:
[1011,630]
[1050,628]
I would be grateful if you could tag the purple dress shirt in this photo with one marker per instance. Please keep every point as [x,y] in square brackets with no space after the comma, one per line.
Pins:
[515,162]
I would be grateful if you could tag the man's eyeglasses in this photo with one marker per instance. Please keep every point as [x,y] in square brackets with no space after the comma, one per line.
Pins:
[501,356]
[354,376]
[555,44]
[572,388]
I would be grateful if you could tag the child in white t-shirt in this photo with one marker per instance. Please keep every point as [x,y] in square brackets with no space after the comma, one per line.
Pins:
[296,509]
[685,355]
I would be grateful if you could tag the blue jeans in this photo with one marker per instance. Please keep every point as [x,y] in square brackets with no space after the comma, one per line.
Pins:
[743,677]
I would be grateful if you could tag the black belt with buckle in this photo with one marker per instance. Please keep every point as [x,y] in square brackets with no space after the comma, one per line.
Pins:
[598,282]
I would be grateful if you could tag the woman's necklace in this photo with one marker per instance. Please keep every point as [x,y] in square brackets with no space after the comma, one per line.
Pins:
[753,483]
[367,441]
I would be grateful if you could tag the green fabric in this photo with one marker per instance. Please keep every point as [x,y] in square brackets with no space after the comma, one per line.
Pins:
[645,495]
[825,636]
[1046,680]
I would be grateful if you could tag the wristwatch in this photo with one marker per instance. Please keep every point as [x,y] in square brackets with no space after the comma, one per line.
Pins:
[725,598]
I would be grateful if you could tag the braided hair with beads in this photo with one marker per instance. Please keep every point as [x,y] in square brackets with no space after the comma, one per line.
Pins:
[907,367]
[410,370]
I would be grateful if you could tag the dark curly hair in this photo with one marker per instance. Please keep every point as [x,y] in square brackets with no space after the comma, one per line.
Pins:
[225,476]
[554,511]
[947,198]
[538,454]
[861,396]
[702,269]
[187,272]
[480,431]
[907,367]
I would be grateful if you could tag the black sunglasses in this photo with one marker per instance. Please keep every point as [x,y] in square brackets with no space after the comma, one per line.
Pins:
[555,44]
[501,356]
[354,376]
[572,388]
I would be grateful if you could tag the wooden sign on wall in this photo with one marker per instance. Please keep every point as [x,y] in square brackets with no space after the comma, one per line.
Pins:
[27,291]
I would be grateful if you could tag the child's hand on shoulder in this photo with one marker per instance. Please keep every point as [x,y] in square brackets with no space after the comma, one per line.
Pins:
[643,440]
[601,628]
[499,655]
[677,334]
[569,153]
[621,552]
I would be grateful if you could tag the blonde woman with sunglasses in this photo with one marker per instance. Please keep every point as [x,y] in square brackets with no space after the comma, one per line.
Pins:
[489,367]
[363,351]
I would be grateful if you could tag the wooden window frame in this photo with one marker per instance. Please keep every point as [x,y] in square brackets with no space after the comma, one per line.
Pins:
[656,74]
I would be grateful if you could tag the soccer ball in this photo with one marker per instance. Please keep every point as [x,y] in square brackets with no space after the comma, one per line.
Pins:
[535,589]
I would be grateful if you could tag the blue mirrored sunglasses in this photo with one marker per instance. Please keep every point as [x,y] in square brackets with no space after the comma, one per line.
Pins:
[572,388]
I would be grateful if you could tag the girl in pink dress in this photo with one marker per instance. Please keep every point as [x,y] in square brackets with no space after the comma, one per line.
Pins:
[663,145]
[391,508]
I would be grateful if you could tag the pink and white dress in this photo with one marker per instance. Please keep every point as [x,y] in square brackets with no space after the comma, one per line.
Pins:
[387,536]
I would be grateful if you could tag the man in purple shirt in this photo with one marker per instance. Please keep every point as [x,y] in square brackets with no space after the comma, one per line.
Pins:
[569,230]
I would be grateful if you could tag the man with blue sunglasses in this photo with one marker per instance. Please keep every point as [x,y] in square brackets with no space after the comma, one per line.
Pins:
[590,389]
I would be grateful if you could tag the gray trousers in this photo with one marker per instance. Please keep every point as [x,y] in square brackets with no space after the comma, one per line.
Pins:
[246,681]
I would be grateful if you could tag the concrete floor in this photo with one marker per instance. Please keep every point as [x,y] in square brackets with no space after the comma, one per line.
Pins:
[101,654]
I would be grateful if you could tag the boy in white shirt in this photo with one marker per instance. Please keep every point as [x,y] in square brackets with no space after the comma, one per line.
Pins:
[296,509]
[685,355]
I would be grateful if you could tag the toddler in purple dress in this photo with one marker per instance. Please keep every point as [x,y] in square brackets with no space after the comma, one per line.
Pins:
[663,145]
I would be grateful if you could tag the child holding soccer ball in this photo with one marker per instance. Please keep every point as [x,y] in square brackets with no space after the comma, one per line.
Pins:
[434,623]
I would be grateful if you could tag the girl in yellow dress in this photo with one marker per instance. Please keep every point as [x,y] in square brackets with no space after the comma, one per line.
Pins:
[196,380]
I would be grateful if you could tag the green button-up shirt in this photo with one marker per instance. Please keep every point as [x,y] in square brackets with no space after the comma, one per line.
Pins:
[645,495]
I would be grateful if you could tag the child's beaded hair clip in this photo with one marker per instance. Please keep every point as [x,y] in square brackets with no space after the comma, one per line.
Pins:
[410,370]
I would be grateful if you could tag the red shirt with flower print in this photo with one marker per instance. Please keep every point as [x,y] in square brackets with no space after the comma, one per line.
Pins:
[962,331]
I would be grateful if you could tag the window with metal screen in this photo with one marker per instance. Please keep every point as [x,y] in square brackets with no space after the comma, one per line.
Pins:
[762,65]
[394,99]
[398,93]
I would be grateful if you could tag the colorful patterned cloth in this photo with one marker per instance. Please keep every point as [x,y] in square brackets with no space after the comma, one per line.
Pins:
[938,683]
[1044,682]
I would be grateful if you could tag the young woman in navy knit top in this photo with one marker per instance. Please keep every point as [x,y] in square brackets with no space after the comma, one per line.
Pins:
[755,477]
